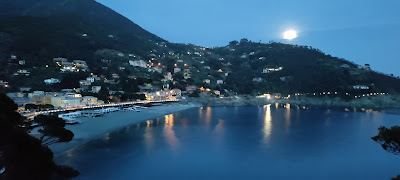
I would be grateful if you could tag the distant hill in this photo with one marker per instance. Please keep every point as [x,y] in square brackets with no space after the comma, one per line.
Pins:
[39,30]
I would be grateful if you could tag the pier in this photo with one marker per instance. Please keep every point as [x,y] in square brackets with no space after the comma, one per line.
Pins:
[32,115]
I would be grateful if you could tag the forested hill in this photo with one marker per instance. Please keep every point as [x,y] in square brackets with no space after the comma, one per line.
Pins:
[39,30]
[43,29]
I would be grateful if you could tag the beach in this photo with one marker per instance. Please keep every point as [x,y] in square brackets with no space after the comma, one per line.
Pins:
[93,128]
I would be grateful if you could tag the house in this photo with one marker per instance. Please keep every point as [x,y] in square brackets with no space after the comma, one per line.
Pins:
[186,73]
[72,94]
[159,95]
[23,72]
[15,95]
[91,79]
[207,81]
[36,94]
[157,69]
[41,100]
[22,101]
[52,81]
[345,66]
[60,60]
[89,100]
[68,67]
[66,101]
[84,83]
[168,76]
[268,70]
[67,91]
[226,74]
[285,78]
[191,89]
[366,67]
[25,89]
[362,87]
[21,62]
[176,92]
[79,63]
[138,63]
[96,89]
[207,67]
[262,58]
[218,93]
[220,81]
[257,79]
[176,70]
[106,61]
[115,76]
[13,57]
[277,95]
[110,81]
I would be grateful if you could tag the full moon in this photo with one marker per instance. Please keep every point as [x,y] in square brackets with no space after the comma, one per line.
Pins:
[290,34]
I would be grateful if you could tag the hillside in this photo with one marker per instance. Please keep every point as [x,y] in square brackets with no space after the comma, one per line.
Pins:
[38,31]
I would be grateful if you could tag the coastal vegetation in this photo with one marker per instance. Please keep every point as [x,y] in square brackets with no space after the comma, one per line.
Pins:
[389,139]
[23,156]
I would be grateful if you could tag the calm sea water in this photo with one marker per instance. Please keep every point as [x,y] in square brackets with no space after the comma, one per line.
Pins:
[242,143]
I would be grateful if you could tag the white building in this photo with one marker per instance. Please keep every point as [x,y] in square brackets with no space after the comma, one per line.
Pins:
[176,92]
[257,79]
[89,100]
[36,94]
[176,70]
[220,81]
[168,76]
[52,81]
[268,70]
[66,101]
[68,67]
[91,79]
[207,81]
[138,63]
[84,83]
[363,87]
[96,89]
[23,72]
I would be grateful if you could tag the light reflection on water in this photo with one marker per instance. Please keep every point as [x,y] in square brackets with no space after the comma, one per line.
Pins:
[169,132]
[242,143]
[267,123]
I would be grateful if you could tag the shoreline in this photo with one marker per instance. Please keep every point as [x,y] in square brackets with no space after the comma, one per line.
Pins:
[94,128]
[383,102]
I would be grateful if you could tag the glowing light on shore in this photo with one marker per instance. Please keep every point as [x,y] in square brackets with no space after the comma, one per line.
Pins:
[290,34]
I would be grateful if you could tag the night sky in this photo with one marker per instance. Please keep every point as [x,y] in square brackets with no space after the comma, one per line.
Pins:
[362,31]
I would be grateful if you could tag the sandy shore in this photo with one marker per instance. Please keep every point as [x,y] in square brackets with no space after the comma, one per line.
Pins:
[93,128]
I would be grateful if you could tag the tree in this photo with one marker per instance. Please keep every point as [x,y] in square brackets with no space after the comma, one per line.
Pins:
[21,155]
[53,129]
[389,139]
